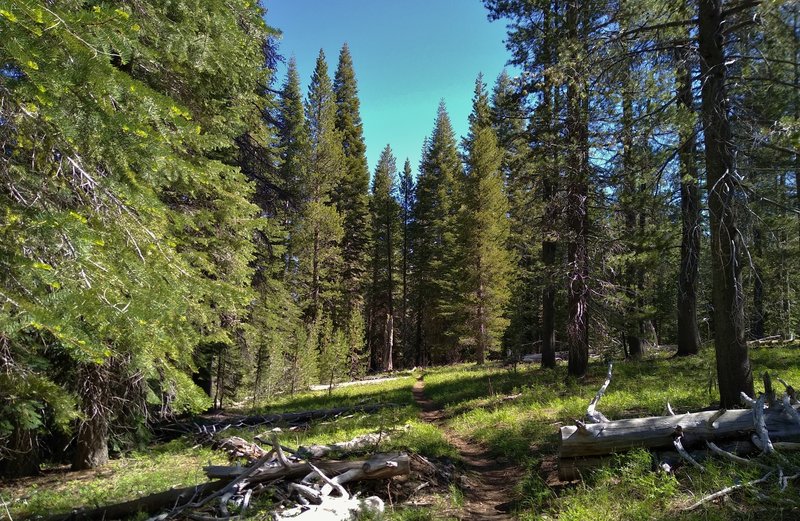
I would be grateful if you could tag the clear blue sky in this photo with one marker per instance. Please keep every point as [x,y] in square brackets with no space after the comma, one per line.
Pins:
[407,54]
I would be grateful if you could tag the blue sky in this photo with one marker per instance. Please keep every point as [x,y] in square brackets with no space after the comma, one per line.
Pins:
[407,54]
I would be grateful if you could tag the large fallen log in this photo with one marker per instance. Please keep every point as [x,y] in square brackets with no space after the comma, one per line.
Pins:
[589,441]
[658,431]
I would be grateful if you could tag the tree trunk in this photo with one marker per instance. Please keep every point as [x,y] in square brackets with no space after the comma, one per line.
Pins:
[733,363]
[549,182]
[91,446]
[480,353]
[577,209]
[688,331]
[757,323]
[388,363]
[21,455]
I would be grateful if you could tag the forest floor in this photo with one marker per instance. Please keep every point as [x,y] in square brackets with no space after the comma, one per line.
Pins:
[491,430]
[488,482]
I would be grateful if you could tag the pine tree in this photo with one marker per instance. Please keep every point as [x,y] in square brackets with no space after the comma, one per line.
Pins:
[352,191]
[436,248]
[320,228]
[139,236]
[733,363]
[385,213]
[406,200]
[485,232]
[521,166]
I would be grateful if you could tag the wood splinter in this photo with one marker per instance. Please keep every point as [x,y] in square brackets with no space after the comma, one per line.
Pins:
[682,451]
[761,425]
[593,415]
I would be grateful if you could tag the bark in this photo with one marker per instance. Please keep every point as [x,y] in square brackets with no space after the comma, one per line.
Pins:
[577,208]
[734,372]
[688,331]
[91,446]
[549,245]
[659,431]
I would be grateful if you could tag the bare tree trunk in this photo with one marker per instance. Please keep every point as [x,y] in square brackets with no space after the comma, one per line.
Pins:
[388,363]
[688,331]
[734,372]
[577,208]
[549,183]
[91,448]
[480,352]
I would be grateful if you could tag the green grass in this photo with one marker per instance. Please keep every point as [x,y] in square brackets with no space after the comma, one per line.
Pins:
[523,429]
[172,465]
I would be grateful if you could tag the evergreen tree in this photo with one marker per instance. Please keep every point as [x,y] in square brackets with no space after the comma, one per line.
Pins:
[137,229]
[406,200]
[352,192]
[485,232]
[436,248]
[385,213]
[317,241]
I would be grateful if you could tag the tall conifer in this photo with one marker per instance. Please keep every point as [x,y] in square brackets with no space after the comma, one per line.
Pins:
[436,247]
[385,213]
[352,191]
[485,232]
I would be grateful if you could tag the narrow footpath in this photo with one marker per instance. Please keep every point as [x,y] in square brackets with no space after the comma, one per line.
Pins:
[489,486]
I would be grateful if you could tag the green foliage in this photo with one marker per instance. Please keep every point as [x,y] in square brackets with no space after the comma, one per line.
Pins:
[385,219]
[437,251]
[351,195]
[485,232]
[127,233]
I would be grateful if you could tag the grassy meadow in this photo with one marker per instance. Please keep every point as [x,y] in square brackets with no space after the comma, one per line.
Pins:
[515,414]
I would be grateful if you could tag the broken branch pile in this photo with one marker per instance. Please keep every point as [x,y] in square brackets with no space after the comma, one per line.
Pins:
[302,489]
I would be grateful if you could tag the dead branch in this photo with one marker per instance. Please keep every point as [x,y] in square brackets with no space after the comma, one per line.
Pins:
[592,414]
[728,490]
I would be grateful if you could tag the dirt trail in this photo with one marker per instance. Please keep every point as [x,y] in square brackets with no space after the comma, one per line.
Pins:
[489,485]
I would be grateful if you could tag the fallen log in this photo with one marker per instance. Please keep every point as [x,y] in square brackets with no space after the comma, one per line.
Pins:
[380,466]
[215,424]
[365,441]
[148,504]
[658,431]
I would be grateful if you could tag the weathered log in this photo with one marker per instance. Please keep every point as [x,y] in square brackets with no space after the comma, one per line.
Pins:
[212,425]
[148,504]
[380,466]
[658,431]
[365,441]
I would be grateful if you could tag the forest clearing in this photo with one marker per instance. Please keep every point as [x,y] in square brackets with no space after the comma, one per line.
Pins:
[222,297]
[512,419]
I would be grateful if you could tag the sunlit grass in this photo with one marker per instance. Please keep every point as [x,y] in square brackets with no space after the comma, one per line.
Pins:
[173,465]
[515,414]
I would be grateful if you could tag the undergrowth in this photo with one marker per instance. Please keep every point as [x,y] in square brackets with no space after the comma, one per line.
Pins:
[516,414]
